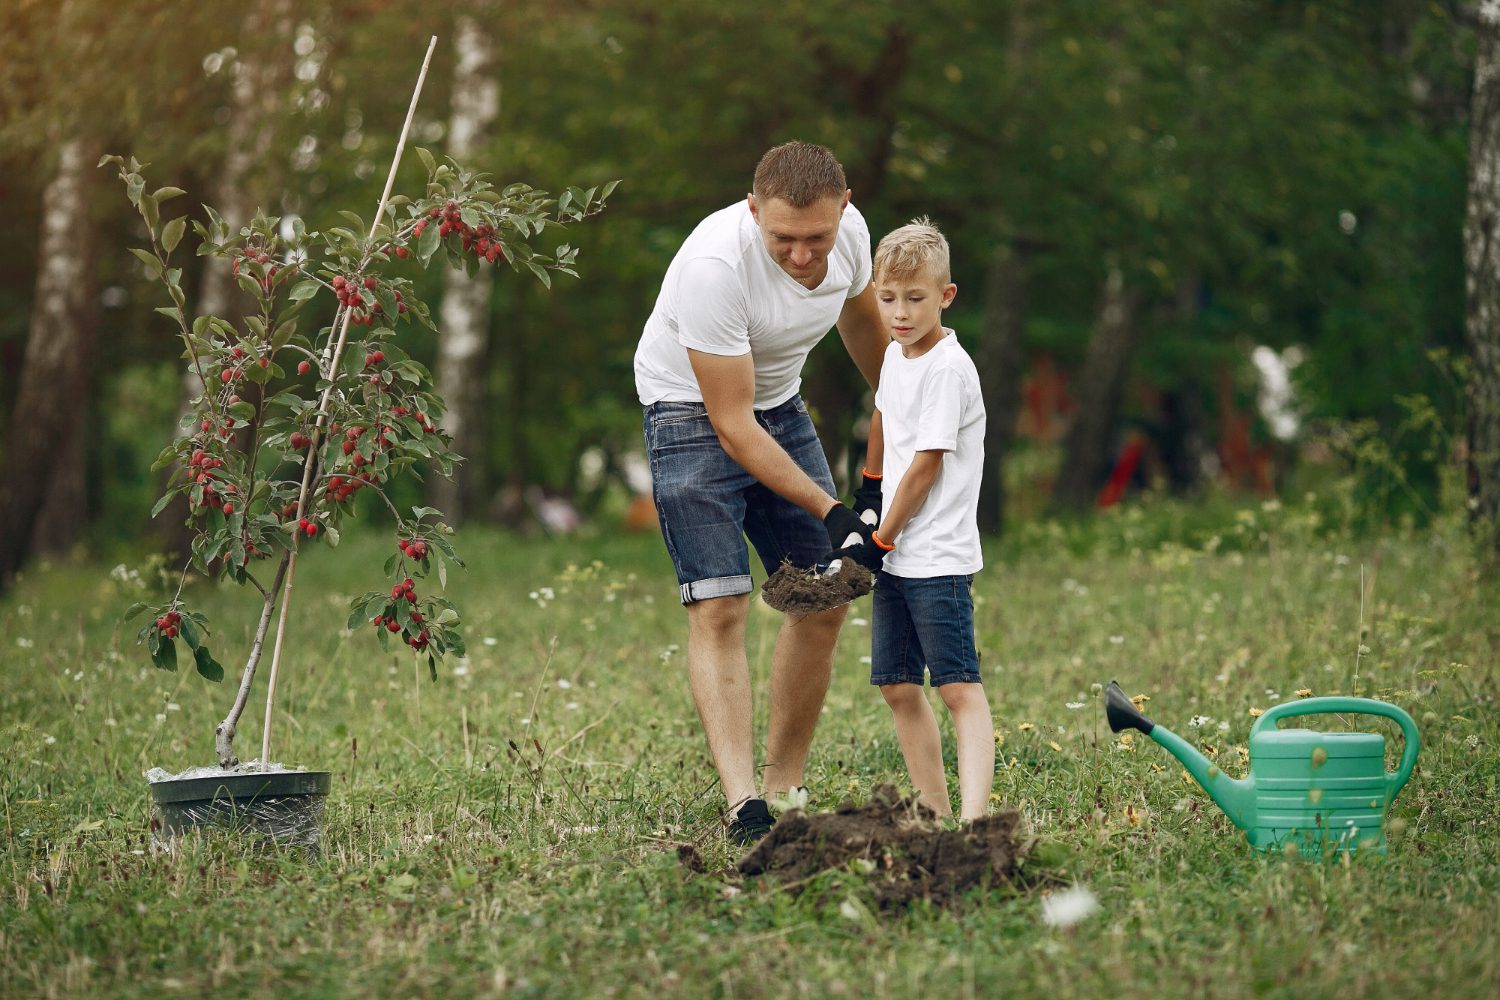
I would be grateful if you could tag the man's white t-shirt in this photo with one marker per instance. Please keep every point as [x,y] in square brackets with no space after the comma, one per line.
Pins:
[926,403]
[724,294]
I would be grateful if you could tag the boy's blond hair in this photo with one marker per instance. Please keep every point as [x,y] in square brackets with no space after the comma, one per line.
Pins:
[915,248]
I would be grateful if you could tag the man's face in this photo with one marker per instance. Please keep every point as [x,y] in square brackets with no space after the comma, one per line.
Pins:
[800,239]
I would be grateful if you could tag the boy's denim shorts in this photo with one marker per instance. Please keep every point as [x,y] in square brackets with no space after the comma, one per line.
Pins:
[927,622]
[708,504]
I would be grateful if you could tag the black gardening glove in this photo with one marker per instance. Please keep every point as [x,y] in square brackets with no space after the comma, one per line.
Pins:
[867,554]
[867,498]
[841,523]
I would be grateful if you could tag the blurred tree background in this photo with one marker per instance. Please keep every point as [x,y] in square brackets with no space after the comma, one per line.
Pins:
[1199,246]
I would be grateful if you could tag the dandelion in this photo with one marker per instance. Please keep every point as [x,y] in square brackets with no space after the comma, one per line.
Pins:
[999,738]
[1127,741]
[1136,815]
[1055,745]
[1068,907]
[1023,727]
[1139,700]
[1304,692]
[1256,713]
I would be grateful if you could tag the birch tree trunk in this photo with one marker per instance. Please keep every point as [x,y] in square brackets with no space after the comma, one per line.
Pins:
[464,316]
[1482,284]
[260,74]
[51,406]
[1101,386]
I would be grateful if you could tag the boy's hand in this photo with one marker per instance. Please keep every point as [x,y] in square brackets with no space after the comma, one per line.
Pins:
[867,554]
[842,523]
[867,498]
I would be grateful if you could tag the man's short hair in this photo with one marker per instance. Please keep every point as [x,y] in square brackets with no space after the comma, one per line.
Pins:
[915,248]
[800,174]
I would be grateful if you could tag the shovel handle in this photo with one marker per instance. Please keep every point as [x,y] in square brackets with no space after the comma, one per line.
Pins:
[1362,706]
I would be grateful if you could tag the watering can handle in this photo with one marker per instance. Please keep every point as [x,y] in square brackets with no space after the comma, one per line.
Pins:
[1362,706]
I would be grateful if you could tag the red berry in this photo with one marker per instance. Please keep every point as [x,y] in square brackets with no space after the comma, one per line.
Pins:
[377,621]
[228,509]
[226,376]
[396,592]
[407,584]
[338,281]
[402,252]
[170,631]
[393,625]
[312,528]
[303,367]
[238,352]
[348,447]
[265,362]
[416,616]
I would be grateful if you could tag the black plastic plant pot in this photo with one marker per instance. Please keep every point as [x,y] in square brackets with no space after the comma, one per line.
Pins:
[280,808]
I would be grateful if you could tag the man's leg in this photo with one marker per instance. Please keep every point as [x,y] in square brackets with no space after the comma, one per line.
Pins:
[719,676]
[800,670]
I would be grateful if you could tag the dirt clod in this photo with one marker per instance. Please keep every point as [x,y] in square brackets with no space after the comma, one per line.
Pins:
[798,591]
[915,857]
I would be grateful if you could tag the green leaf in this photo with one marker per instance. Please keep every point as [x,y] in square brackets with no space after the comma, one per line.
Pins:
[149,259]
[427,244]
[171,312]
[134,185]
[189,633]
[208,667]
[167,193]
[242,410]
[150,212]
[332,534]
[167,655]
[359,224]
[448,617]
[428,163]
[541,274]
[171,233]
[138,607]
[304,289]
[161,504]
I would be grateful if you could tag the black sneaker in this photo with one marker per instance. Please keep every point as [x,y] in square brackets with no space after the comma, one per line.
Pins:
[751,823]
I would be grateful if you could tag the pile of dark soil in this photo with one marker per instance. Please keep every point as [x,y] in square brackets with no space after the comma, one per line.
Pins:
[914,856]
[803,591]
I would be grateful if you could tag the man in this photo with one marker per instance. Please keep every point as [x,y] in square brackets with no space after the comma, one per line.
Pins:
[733,453]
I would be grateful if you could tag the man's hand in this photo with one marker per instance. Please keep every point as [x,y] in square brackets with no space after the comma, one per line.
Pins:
[845,528]
[867,498]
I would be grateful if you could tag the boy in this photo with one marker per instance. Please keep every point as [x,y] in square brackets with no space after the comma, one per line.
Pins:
[928,434]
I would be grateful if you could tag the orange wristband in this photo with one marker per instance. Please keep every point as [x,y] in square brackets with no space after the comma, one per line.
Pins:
[870,475]
[880,543]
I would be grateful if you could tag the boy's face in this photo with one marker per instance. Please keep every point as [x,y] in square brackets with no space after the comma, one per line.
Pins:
[911,307]
[799,240]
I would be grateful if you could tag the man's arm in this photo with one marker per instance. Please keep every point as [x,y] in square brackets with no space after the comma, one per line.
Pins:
[728,387]
[864,335]
[911,494]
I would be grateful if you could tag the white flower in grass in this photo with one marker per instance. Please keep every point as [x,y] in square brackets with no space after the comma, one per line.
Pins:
[50,740]
[859,622]
[1199,720]
[564,683]
[1074,705]
[1117,640]
[490,640]
[1069,907]
[1224,727]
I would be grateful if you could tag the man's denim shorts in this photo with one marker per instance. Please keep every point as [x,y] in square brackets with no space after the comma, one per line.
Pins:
[708,504]
[926,622]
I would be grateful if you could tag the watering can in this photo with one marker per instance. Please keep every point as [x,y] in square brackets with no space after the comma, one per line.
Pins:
[1306,790]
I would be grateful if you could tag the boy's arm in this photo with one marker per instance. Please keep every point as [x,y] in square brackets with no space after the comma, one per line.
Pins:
[875,445]
[911,494]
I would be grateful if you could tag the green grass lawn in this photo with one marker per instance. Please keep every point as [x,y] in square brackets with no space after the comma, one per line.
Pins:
[512,829]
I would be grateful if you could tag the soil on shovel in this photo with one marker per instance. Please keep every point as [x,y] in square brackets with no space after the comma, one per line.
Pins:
[798,591]
[914,856]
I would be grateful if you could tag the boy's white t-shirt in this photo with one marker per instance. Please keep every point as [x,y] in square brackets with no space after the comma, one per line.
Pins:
[724,294]
[926,403]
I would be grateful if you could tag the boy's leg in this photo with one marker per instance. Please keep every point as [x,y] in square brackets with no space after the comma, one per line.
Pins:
[974,732]
[800,669]
[896,666]
[921,744]
[942,610]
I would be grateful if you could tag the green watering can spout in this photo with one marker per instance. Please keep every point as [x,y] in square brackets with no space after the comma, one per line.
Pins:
[1235,796]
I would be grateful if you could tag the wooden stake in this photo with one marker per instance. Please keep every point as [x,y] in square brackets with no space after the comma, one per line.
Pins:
[312,450]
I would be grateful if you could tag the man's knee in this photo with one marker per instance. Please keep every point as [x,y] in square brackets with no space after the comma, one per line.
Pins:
[820,621]
[718,617]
